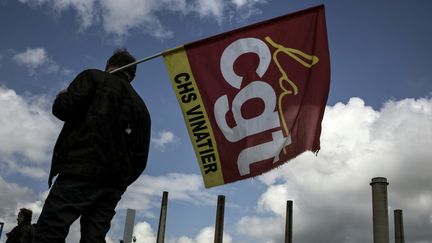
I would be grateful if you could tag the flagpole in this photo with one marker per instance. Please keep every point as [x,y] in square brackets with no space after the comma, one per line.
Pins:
[147,58]
[138,62]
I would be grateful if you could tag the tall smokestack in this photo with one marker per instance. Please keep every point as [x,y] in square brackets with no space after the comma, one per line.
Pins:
[162,218]
[220,211]
[289,221]
[129,225]
[380,210]
[399,229]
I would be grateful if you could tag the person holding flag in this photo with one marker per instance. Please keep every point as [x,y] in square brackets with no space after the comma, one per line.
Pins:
[101,150]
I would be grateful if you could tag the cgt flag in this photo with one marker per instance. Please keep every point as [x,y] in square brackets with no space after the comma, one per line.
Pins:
[253,98]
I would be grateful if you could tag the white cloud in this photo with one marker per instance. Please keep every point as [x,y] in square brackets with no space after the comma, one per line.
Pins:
[210,8]
[331,191]
[247,8]
[118,18]
[84,8]
[240,3]
[183,239]
[108,240]
[244,3]
[146,192]
[13,197]
[24,121]
[32,172]
[162,139]
[206,235]
[270,200]
[32,57]
[74,234]
[261,228]
[144,233]
[27,133]
[36,60]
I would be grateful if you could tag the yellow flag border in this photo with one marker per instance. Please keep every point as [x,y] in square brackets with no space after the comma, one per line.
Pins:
[177,64]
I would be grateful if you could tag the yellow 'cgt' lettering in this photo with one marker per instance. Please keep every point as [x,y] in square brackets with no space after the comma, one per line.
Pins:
[292,89]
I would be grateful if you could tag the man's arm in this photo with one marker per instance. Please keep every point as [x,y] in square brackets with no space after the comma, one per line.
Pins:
[73,99]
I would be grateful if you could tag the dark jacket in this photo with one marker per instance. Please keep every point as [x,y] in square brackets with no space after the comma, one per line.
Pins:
[23,233]
[106,133]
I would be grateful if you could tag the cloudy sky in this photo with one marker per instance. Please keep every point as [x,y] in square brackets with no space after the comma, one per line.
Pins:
[378,120]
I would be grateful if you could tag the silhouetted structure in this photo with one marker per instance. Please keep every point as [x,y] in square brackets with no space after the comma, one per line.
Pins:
[1,228]
[399,228]
[289,220]
[219,219]
[380,210]
[129,225]
[101,150]
[162,218]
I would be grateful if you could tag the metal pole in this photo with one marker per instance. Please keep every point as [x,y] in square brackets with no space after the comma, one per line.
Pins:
[147,58]
[1,228]
[399,228]
[219,219]
[380,210]
[137,62]
[289,220]
[129,225]
[162,218]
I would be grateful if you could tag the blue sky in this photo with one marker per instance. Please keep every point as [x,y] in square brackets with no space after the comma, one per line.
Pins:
[378,121]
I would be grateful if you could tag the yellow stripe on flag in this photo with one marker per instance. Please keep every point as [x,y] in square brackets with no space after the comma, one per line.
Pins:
[195,115]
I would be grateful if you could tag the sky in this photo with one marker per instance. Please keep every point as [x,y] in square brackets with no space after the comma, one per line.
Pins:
[378,119]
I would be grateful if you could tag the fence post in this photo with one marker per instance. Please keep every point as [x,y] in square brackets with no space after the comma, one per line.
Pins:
[162,218]
[219,219]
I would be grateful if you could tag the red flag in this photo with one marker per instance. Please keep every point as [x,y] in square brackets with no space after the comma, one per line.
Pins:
[254,98]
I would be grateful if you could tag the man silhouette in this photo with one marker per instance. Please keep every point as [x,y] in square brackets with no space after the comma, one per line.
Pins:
[101,150]
[24,231]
